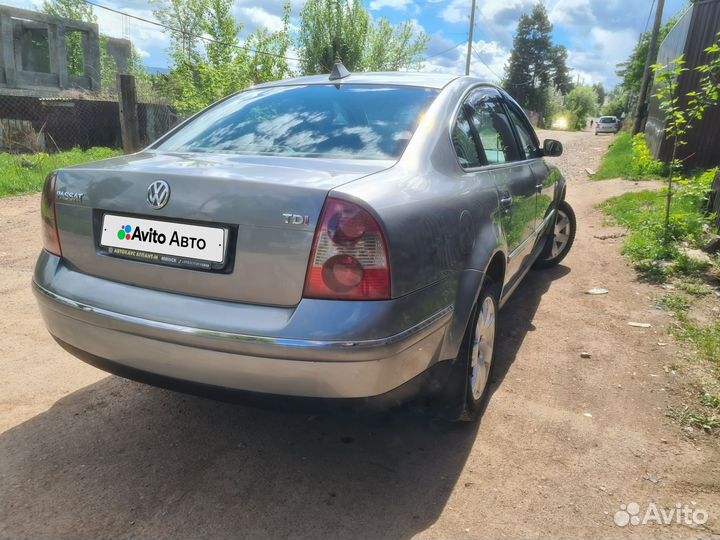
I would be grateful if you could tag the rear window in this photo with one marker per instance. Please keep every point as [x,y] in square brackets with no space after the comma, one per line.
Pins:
[607,120]
[349,121]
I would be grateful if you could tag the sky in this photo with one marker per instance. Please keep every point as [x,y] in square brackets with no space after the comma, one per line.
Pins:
[597,33]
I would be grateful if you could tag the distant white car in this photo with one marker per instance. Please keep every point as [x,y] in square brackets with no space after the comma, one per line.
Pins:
[607,124]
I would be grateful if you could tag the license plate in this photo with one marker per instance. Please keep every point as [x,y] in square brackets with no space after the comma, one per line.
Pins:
[163,238]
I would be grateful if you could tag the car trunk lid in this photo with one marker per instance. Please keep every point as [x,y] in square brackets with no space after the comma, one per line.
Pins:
[266,208]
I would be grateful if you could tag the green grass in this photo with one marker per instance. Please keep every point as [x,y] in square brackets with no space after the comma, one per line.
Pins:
[643,213]
[675,303]
[25,173]
[629,157]
[617,162]
[706,340]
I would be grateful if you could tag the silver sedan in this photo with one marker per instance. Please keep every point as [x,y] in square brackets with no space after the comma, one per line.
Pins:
[344,237]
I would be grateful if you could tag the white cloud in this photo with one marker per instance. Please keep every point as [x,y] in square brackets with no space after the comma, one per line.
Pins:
[257,16]
[402,5]
[607,48]
[574,13]
[487,60]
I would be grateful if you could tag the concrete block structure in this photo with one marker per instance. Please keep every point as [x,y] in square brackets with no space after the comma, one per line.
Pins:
[34,53]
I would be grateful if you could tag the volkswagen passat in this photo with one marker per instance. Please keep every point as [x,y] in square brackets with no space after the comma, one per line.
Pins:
[350,237]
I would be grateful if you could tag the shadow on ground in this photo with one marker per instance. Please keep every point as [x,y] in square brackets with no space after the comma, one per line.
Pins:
[119,459]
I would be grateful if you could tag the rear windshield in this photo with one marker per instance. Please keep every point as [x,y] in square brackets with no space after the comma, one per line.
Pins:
[349,121]
[607,120]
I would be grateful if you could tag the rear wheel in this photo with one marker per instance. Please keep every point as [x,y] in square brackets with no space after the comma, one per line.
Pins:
[478,352]
[562,238]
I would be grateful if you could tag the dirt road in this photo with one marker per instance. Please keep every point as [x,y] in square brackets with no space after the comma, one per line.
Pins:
[564,442]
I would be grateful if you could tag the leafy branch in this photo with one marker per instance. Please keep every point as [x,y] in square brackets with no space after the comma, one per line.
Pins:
[681,115]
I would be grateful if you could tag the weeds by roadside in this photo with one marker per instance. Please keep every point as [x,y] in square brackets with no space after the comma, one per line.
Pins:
[657,261]
[706,341]
[629,157]
[682,256]
[25,173]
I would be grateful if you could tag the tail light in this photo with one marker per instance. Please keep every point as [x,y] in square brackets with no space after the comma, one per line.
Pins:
[48,214]
[349,258]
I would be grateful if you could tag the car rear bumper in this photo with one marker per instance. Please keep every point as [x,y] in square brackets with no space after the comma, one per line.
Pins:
[241,347]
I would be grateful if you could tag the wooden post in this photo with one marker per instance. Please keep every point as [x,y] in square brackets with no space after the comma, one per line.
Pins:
[129,124]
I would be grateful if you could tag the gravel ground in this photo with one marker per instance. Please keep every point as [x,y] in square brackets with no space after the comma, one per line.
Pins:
[564,443]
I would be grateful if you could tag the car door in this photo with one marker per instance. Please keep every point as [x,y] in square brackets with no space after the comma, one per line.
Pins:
[546,177]
[504,163]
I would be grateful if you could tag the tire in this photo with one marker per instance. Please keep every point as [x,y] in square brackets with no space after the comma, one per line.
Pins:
[478,351]
[561,240]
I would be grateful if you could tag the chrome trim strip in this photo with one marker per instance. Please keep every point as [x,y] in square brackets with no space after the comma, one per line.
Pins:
[438,317]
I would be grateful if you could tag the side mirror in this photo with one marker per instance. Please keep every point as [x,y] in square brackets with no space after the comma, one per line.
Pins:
[552,148]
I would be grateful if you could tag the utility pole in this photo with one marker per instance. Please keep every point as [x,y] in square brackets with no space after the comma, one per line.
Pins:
[470,38]
[651,58]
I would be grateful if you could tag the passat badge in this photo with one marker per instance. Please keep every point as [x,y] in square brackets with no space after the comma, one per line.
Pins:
[158,194]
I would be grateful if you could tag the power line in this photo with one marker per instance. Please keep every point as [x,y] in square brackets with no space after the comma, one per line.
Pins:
[491,70]
[190,34]
[445,51]
[647,22]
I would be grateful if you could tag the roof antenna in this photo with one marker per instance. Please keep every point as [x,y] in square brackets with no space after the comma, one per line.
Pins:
[339,71]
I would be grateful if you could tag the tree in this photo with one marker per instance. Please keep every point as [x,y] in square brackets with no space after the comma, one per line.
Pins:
[209,61]
[187,18]
[561,78]
[600,91]
[582,103]
[270,62]
[632,70]
[391,48]
[535,63]
[77,10]
[332,30]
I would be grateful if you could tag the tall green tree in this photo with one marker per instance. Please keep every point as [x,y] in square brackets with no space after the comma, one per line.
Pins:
[536,63]
[209,61]
[600,91]
[332,30]
[561,78]
[77,10]
[391,48]
[631,71]
[187,18]
[269,62]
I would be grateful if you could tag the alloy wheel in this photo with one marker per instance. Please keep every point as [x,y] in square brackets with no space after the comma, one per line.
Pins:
[483,343]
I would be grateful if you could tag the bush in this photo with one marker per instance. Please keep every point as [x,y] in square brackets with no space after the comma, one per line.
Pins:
[642,164]
[582,103]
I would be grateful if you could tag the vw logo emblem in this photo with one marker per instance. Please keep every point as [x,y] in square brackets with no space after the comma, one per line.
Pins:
[158,194]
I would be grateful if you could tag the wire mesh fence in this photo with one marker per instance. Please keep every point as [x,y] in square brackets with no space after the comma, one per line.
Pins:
[59,89]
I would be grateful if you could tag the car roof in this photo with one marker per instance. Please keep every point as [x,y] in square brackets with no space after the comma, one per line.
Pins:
[395,78]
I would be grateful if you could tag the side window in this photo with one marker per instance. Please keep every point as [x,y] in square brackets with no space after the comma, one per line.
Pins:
[464,143]
[493,128]
[528,140]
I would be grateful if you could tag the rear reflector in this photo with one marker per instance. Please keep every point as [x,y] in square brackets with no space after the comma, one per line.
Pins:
[48,214]
[349,258]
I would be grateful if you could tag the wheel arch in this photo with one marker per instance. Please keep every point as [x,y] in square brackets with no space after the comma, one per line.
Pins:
[470,283]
